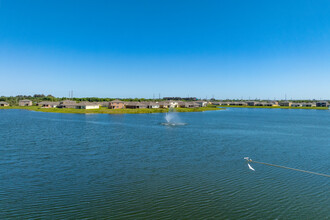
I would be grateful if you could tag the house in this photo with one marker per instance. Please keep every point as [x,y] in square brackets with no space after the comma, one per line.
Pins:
[46,104]
[164,104]
[322,104]
[152,105]
[264,104]
[269,104]
[201,103]
[188,105]
[116,104]
[67,104]
[288,104]
[135,105]
[224,103]
[104,104]
[4,104]
[259,104]
[183,105]
[173,104]
[25,102]
[238,103]
[296,105]
[168,104]
[87,105]
[251,103]
[308,105]
[193,105]
[275,103]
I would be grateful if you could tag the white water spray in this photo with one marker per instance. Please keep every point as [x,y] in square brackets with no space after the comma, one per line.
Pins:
[172,118]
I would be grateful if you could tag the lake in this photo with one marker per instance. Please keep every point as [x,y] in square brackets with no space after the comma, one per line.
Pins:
[134,167]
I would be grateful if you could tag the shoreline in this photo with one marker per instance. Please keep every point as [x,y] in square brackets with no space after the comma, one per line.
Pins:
[104,110]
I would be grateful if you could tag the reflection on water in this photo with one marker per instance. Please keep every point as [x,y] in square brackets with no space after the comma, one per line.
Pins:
[130,167]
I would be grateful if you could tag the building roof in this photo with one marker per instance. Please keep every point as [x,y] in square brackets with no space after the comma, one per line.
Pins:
[6,103]
[25,100]
[48,103]
[135,104]
[117,100]
[86,104]
[163,103]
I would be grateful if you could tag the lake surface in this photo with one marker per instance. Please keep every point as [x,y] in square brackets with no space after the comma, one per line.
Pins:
[133,167]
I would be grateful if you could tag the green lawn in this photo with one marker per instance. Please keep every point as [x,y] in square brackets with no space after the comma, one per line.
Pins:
[104,110]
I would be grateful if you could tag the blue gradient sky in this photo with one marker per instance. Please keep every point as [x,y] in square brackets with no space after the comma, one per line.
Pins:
[229,49]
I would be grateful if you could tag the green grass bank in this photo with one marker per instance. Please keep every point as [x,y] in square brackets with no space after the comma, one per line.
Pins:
[104,110]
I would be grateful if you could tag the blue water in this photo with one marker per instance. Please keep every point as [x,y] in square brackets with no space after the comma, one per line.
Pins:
[133,167]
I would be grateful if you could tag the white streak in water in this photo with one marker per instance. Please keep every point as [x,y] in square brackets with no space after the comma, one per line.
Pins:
[250,167]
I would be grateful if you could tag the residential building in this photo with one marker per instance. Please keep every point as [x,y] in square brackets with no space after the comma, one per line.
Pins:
[173,104]
[224,103]
[322,104]
[288,104]
[201,103]
[152,105]
[296,105]
[47,104]
[4,104]
[87,105]
[269,104]
[116,104]
[135,105]
[104,104]
[164,104]
[25,102]
[67,104]
[251,103]
[309,105]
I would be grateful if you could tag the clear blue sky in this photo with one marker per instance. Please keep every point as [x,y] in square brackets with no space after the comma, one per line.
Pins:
[229,49]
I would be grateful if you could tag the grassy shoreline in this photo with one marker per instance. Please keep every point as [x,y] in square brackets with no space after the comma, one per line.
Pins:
[274,107]
[104,110]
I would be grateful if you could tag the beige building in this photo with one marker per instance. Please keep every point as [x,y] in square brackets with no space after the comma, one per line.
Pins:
[296,105]
[46,104]
[285,104]
[135,105]
[116,104]
[4,104]
[25,102]
[67,104]
[309,105]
